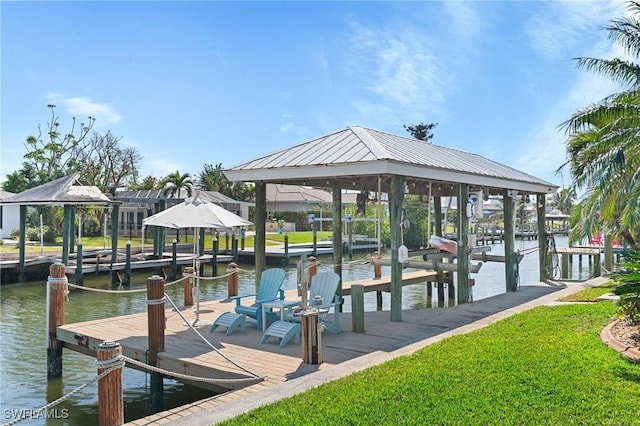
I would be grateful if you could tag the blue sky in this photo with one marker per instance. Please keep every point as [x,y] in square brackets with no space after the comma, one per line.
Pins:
[194,83]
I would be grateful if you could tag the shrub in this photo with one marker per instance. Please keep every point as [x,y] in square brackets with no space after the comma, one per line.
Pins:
[629,285]
[33,234]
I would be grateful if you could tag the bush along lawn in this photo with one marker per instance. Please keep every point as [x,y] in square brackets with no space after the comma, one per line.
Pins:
[546,366]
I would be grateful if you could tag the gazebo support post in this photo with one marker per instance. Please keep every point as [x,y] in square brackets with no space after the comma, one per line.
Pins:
[336,207]
[396,198]
[437,210]
[260,223]
[464,293]
[542,235]
[22,243]
[508,201]
[66,232]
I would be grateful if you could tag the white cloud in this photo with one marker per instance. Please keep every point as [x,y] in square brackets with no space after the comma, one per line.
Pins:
[160,167]
[81,107]
[557,29]
[286,127]
[396,65]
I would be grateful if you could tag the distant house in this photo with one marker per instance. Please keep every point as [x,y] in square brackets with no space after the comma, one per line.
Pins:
[140,204]
[9,216]
[298,198]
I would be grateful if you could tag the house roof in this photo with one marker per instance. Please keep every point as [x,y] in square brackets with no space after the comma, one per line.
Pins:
[60,191]
[297,194]
[355,157]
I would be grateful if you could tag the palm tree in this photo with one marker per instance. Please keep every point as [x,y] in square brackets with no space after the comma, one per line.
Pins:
[603,147]
[175,182]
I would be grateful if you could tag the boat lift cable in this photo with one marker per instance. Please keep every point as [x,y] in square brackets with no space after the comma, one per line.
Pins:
[206,341]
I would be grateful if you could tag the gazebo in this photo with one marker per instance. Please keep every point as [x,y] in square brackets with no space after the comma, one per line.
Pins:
[65,191]
[364,159]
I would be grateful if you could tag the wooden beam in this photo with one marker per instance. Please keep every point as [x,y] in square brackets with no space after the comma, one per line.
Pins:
[437,208]
[542,236]
[396,198]
[22,244]
[464,289]
[260,224]
[509,235]
[336,210]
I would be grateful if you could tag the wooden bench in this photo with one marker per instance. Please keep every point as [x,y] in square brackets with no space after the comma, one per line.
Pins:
[231,320]
[283,330]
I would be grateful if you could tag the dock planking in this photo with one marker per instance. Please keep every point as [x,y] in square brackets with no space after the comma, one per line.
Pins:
[186,353]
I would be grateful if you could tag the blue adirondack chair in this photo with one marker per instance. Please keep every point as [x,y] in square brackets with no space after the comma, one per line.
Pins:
[269,290]
[325,285]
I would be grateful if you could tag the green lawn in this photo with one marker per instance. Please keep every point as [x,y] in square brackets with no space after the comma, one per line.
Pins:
[546,366]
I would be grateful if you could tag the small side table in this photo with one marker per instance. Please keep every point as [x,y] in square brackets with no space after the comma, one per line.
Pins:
[283,305]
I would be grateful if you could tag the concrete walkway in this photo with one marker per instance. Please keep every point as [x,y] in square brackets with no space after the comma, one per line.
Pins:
[441,323]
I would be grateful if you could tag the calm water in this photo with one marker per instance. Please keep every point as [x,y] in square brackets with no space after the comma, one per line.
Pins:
[23,372]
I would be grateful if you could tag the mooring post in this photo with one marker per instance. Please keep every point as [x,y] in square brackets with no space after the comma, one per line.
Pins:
[311,339]
[110,387]
[56,293]
[377,274]
[286,250]
[226,242]
[234,247]
[243,233]
[79,272]
[313,267]
[127,265]
[174,259]
[232,280]
[155,321]
[214,256]
[357,308]
[188,285]
[314,229]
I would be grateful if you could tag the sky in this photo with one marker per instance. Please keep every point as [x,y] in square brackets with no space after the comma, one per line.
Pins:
[212,82]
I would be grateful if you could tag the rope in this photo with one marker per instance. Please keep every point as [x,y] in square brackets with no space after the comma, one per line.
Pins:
[27,414]
[156,301]
[151,368]
[206,341]
[100,290]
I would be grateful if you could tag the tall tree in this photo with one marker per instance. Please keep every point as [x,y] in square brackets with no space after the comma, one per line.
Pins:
[213,179]
[51,153]
[105,163]
[421,131]
[175,182]
[603,149]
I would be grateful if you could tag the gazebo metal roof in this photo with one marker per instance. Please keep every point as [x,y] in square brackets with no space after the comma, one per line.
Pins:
[356,156]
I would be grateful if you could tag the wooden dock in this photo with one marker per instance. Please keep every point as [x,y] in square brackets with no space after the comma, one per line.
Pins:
[567,254]
[186,353]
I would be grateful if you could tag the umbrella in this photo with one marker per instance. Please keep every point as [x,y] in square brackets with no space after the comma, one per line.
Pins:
[195,212]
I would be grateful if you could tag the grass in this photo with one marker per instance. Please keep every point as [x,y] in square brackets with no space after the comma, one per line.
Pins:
[99,242]
[546,366]
[590,294]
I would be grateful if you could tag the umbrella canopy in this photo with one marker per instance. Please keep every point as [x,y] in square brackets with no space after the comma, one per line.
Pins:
[196,212]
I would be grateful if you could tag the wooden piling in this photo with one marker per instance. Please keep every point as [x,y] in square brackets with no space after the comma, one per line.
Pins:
[56,293]
[311,340]
[155,321]
[110,387]
[174,259]
[286,250]
[232,280]
[313,267]
[79,272]
[377,273]
[188,285]
[127,267]
[214,257]
[234,247]
[357,308]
